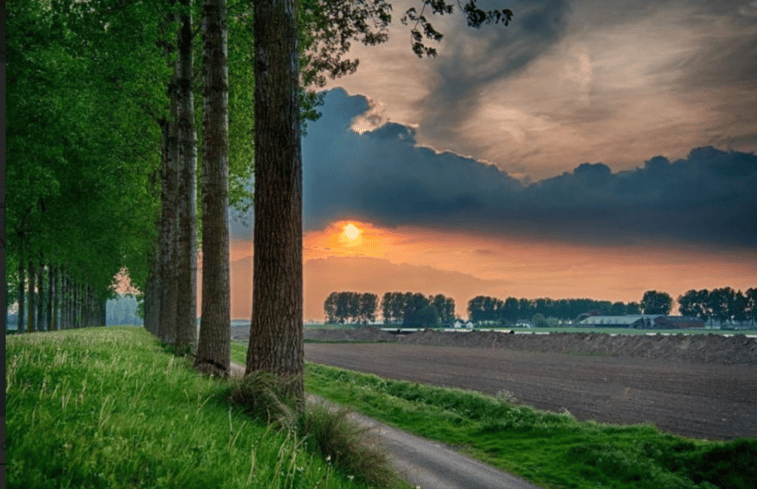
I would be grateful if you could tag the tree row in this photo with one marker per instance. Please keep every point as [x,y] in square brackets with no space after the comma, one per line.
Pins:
[408,309]
[723,304]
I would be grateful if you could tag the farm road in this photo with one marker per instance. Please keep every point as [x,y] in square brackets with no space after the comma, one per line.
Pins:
[696,400]
[428,464]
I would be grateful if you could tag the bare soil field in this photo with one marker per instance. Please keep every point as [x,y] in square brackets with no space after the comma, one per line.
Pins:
[698,386]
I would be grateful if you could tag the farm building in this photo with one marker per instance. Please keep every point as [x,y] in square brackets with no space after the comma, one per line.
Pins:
[674,322]
[643,321]
[629,321]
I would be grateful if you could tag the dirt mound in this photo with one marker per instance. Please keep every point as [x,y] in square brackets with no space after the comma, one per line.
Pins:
[703,348]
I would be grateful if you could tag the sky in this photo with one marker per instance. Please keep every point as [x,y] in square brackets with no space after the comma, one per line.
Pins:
[589,149]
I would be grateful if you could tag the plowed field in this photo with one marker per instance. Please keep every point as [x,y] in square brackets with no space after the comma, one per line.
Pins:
[697,398]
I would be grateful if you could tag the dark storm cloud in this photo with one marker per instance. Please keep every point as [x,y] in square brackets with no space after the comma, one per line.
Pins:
[382,176]
[473,58]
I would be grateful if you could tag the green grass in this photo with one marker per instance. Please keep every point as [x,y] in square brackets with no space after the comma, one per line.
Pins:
[551,450]
[109,408]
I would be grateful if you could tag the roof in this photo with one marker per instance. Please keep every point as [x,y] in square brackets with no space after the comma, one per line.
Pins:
[619,320]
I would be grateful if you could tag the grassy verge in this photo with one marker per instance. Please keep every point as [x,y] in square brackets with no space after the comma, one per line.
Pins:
[108,408]
[552,450]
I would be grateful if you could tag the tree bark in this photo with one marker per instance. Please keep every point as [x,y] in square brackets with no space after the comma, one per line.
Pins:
[152,301]
[51,291]
[213,349]
[21,297]
[168,290]
[41,298]
[276,336]
[186,304]
[30,325]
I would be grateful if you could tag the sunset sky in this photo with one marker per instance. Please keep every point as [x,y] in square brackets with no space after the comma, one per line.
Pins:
[589,149]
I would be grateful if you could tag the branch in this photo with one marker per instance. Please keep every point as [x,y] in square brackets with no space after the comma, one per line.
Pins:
[475,17]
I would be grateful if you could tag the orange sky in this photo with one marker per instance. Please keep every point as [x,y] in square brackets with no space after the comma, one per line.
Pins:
[464,265]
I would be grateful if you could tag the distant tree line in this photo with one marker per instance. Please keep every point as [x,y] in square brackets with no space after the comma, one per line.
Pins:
[350,307]
[484,308]
[724,304]
[402,308]
[417,310]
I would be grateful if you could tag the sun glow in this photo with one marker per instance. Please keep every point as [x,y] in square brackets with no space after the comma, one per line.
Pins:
[351,231]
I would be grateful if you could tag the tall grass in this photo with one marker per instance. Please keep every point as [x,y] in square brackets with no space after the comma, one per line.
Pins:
[108,408]
[326,430]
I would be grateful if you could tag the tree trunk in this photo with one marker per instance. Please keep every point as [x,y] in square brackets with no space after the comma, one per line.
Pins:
[41,298]
[152,301]
[213,350]
[51,326]
[30,325]
[186,312]
[21,297]
[168,290]
[65,313]
[276,336]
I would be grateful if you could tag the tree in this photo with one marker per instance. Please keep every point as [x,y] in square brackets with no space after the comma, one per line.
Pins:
[445,308]
[618,309]
[214,345]
[689,304]
[427,317]
[186,259]
[414,304]
[654,302]
[276,337]
[722,303]
[368,305]
[539,321]
[750,308]
[633,308]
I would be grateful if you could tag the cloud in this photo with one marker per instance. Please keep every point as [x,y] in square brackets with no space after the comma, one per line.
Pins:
[384,176]
[573,81]
[474,58]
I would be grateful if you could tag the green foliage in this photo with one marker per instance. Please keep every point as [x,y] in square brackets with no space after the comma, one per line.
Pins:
[405,308]
[81,88]
[106,408]
[655,302]
[539,321]
[343,307]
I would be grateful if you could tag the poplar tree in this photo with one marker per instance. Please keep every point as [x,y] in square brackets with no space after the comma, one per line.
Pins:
[213,349]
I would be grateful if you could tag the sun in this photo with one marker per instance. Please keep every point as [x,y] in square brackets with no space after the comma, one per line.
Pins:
[351,231]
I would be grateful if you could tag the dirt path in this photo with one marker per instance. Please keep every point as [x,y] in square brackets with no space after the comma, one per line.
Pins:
[428,464]
[702,400]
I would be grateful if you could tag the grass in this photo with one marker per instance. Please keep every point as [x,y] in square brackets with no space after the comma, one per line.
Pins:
[109,408]
[551,450]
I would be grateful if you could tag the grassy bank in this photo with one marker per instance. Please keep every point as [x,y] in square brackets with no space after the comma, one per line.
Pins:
[552,450]
[109,408]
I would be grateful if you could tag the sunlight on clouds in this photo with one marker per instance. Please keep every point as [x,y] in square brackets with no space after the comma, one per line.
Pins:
[532,268]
